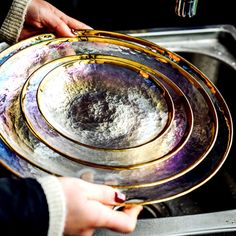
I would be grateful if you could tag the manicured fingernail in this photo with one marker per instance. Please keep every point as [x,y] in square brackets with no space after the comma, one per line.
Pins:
[74,32]
[119,197]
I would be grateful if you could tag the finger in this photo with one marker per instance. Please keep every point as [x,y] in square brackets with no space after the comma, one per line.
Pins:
[60,28]
[86,175]
[133,211]
[88,232]
[102,193]
[120,221]
[73,23]
[70,21]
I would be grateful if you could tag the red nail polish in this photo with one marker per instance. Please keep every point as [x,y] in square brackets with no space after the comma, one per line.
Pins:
[119,197]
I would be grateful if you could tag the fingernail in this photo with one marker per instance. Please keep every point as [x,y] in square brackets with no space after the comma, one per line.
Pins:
[73,31]
[119,197]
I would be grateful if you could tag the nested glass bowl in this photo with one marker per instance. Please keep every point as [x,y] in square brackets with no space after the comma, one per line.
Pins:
[122,110]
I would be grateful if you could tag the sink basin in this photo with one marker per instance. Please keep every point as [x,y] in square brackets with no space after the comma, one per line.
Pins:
[210,208]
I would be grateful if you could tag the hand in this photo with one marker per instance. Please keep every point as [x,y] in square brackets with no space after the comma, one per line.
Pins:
[89,206]
[42,17]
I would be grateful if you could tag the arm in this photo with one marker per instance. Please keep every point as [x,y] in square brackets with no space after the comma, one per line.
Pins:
[86,206]
[23,207]
[51,206]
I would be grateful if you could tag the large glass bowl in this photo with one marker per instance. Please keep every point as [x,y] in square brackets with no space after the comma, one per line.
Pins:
[122,110]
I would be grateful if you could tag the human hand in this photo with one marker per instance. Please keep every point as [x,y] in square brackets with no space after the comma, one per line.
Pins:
[89,206]
[42,17]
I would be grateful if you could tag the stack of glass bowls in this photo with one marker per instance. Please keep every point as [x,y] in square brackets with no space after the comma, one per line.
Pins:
[112,109]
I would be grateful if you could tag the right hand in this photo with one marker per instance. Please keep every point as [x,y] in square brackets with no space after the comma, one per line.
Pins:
[89,206]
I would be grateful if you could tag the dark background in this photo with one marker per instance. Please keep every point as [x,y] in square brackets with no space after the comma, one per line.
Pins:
[143,14]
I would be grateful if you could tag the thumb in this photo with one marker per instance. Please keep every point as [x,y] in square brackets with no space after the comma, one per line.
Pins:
[121,221]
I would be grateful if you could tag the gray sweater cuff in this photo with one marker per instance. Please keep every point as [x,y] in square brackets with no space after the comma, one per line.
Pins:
[14,21]
[56,204]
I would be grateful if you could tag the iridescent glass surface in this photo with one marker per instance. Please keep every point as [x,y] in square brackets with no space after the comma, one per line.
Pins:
[132,114]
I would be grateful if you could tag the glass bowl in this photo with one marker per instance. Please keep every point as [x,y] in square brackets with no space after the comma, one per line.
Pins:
[171,159]
[106,155]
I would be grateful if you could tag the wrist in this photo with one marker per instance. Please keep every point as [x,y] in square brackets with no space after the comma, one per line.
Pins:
[56,204]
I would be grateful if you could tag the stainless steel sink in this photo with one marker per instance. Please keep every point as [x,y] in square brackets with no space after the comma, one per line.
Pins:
[212,207]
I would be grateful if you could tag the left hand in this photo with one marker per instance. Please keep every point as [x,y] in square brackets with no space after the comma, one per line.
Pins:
[42,17]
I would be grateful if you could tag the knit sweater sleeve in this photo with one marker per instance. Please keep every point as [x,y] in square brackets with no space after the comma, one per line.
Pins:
[31,206]
[56,204]
[14,20]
